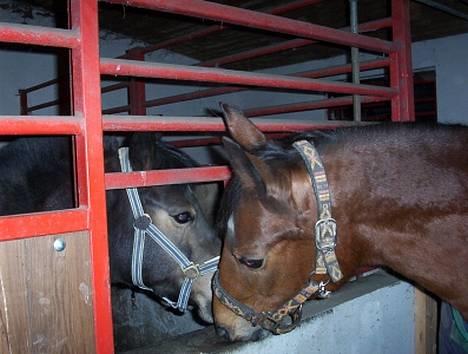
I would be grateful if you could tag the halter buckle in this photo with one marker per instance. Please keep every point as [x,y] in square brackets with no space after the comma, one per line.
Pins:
[322,292]
[325,233]
[192,271]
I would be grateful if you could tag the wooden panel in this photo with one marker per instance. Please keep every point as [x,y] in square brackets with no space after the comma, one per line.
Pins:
[425,323]
[45,296]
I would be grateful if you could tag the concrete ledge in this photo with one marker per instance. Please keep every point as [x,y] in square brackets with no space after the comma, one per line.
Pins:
[370,315]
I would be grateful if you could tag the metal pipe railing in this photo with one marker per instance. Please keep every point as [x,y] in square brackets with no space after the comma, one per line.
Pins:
[267,22]
[355,72]
[219,28]
[198,74]
[444,8]
[38,35]
[310,105]
[331,71]
[294,43]
[28,125]
[116,123]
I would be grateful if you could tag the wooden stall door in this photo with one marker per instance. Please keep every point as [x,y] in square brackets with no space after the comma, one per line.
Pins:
[46,296]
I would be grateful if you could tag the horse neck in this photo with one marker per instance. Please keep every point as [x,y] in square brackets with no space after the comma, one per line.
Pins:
[392,210]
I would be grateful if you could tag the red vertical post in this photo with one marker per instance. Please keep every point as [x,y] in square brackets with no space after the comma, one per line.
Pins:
[136,89]
[90,161]
[401,71]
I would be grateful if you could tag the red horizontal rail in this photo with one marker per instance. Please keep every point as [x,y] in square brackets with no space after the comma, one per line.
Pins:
[42,125]
[310,105]
[116,123]
[294,43]
[243,17]
[44,223]
[119,180]
[37,35]
[190,73]
[182,143]
[193,95]
[219,28]
[331,71]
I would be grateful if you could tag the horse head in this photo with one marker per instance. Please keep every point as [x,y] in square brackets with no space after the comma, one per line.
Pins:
[181,212]
[268,214]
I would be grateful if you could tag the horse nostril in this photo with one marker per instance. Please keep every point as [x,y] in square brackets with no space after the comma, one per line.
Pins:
[222,332]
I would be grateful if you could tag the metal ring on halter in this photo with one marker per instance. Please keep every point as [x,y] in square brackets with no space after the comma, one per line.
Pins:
[142,222]
[283,326]
[192,271]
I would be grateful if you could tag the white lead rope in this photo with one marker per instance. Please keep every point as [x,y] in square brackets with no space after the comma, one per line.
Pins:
[143,226]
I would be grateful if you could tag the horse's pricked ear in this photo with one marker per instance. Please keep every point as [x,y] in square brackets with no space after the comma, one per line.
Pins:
[243,167]
[242,129]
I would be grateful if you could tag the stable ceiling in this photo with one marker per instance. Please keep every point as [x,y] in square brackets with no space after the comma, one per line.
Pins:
[153,27]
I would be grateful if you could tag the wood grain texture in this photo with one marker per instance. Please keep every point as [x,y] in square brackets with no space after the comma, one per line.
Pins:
[425,323]
[45,296]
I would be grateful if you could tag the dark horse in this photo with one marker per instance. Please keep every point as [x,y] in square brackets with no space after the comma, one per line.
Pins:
[398,193]
[36,175]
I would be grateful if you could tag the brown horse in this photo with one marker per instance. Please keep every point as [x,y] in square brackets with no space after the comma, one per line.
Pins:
[398,193]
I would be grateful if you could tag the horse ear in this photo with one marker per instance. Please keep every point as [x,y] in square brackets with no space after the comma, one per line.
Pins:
[243,167]
[242,129]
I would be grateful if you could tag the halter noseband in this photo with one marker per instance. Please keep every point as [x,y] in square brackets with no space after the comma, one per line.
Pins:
[143,226]
[326,262]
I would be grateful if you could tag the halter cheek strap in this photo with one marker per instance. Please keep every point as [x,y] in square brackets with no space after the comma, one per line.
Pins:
[325,228]
[144,226]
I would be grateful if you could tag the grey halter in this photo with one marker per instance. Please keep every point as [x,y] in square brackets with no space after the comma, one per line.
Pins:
[143,226]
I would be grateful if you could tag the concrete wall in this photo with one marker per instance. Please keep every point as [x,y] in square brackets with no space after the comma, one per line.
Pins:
[378,322]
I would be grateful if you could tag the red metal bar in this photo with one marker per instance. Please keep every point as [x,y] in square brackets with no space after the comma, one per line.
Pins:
[331,71]
[118,180]
[193,95]
[136,90]
[216,140]
[115,123]
[90,161]
[219,28]
[37,35]
[253,19]
[45,223]
[308,106]
[183,72]
[401,72]
[294,43]
[28,125]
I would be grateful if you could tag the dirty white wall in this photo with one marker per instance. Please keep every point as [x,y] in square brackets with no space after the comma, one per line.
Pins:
[378,322]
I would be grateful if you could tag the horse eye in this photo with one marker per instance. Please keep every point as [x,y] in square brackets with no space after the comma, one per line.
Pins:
[251,263]
[183,218]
